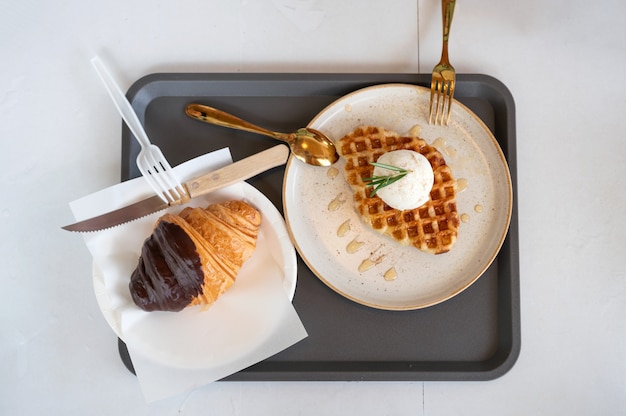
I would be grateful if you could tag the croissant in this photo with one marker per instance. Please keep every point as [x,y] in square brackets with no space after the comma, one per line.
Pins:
[193,257]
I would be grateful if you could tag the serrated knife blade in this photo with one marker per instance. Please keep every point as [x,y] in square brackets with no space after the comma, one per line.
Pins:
[202,185]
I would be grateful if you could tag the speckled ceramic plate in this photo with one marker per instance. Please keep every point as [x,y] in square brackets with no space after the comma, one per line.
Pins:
[484,202]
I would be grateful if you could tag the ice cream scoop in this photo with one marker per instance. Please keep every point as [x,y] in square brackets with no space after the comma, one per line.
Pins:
[414,188]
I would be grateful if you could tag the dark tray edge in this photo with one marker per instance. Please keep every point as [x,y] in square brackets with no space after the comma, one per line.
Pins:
[481,85]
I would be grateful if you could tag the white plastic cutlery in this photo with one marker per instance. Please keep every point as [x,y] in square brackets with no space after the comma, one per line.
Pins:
[150,161]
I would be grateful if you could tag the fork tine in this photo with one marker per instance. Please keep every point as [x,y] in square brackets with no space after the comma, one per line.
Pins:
[160,176]
[435,96]
[147,170]
[170,187]
[163,185]
[446,103]
[173,186]
[436,93]
[433,85]
[442,98]
[449,96]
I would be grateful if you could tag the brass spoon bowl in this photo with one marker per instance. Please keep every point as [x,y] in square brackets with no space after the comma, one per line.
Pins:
[308,145]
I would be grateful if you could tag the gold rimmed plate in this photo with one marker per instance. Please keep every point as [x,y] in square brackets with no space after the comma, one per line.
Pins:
[372,269]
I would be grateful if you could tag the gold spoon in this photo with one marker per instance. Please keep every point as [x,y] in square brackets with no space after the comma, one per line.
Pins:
[308,145]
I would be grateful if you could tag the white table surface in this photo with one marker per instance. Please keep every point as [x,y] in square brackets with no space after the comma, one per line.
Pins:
[564,62]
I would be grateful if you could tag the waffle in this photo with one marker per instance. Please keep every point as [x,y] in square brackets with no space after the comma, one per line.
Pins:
[432,227]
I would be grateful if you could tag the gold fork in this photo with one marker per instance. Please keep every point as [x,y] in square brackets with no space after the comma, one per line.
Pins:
[443,78]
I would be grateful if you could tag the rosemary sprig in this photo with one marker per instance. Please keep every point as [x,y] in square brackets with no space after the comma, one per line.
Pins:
[378,182]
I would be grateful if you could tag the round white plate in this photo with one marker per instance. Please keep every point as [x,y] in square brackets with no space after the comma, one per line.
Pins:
[276,250]
[314,210]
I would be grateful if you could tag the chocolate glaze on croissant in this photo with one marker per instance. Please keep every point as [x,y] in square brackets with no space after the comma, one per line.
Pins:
[193,257]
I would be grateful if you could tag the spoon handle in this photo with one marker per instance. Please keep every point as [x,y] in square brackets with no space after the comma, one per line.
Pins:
[214,116]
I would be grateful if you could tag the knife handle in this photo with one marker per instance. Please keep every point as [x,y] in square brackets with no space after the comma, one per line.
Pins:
[238,171]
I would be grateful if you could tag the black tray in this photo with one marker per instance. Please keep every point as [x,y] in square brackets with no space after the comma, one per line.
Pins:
[473,336]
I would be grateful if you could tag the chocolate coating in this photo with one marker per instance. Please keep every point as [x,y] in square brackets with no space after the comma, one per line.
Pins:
[169,273]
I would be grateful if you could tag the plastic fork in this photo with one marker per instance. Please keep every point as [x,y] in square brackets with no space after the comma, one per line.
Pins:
[150,161]
[443,77]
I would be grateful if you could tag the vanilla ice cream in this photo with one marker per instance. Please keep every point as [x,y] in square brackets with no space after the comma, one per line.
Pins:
[412,190]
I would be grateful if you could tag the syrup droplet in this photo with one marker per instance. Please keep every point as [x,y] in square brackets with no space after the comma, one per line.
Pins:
[461,184]
[354,246]
[478,208]
[465,218]
[336,203]
[343,228]
[332,172]
[415,131]
[366,265]
[390,274]
[440,143]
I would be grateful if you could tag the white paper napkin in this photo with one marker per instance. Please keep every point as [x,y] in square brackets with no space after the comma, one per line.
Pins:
[175,352]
